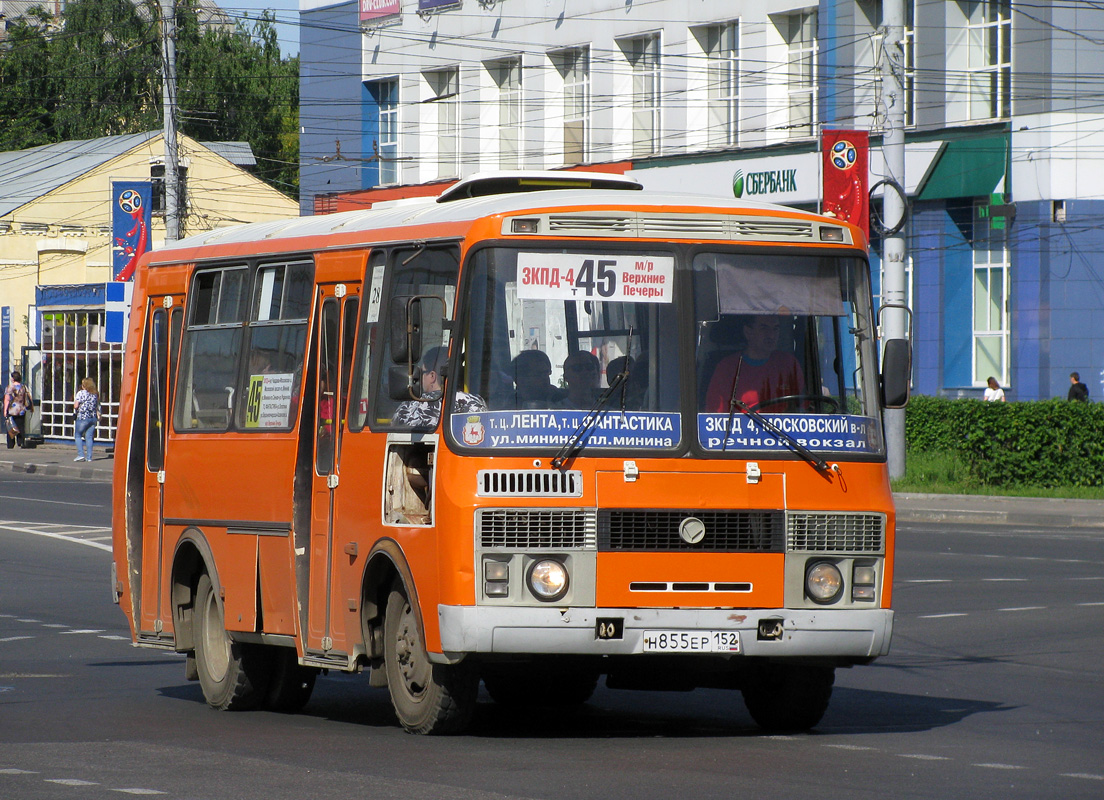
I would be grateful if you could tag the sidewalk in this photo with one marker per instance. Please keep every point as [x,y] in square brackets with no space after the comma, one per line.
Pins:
[57,460]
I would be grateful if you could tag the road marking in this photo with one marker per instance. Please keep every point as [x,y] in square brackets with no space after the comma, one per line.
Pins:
[929,580]
[14,771]
[1085,776]
[922,757]
[88,630]
[998,766]
[1004,580]
[1024,608]
[71,782]
[849,747]
[940,616]
[15,638]
[69,536]
[116,637]
[139,791]
[55,502]
[35,621]
[1086,605]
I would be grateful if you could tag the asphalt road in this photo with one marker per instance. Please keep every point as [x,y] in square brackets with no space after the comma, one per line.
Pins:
[994,688]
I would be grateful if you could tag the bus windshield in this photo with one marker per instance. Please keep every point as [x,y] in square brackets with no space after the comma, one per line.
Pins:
[548,332]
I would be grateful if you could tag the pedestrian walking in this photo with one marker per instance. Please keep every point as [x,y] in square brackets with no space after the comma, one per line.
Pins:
[86,404]
[17,404]
[1077,391]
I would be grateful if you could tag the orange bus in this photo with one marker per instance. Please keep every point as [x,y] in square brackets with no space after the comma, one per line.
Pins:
[660,460]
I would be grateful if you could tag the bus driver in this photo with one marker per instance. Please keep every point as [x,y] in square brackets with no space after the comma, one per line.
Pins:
[758,374]
[426,410]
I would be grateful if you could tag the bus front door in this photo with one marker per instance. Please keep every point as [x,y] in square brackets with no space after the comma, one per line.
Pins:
[328,609]
[164,318]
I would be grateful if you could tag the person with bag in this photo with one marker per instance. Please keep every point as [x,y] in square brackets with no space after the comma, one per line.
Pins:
[86,404]
[17,404]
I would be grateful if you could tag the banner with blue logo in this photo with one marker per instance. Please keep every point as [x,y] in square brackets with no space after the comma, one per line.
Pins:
[131,221]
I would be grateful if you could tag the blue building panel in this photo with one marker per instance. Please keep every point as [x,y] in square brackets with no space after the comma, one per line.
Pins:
[331,138]
[958,310]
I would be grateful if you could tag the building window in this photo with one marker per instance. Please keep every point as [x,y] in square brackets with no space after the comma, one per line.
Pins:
[444,88]
[385,94]
[990,303]
[642,54]
[720,44]
[989,60]
[801,42]
[574,68]
[507,77]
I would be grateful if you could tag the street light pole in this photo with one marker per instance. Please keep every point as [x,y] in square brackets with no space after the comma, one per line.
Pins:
[894,288]
[172,156]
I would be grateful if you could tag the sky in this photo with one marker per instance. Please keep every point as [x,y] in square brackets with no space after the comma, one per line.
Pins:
[287,18]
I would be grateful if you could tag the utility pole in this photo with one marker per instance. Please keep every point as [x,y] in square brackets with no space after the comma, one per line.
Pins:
[894,290]
[168,84]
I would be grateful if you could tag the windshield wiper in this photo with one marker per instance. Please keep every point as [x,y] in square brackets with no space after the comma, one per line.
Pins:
[575,442]
[818,463]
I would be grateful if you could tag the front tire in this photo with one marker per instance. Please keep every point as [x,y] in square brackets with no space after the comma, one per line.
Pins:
[789,698]
[233,676]
[428,698]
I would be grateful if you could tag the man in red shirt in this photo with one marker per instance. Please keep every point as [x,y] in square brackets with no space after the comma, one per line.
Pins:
[759,374]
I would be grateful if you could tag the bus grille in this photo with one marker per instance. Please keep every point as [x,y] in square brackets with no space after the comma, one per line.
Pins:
[658,530]
[824,532]
[530,529]
[529,483]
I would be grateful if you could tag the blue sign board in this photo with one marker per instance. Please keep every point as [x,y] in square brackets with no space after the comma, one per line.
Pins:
[821,433]
[545,428]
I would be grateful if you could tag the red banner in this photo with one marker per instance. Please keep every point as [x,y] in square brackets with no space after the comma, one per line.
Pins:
[846,176]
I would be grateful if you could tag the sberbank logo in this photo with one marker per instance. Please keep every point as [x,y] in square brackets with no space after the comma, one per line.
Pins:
[768,182]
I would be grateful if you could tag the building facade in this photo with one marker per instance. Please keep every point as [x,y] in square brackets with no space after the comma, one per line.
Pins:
[1003,142]
[56,253]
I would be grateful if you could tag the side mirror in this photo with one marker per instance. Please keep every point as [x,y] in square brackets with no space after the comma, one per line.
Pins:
[406,329]
[402,383]
[896,372]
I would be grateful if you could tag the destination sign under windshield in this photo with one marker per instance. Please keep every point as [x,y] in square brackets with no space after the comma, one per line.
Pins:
[577,276]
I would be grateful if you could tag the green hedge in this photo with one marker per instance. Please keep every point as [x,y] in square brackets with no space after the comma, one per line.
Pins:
[1047,443]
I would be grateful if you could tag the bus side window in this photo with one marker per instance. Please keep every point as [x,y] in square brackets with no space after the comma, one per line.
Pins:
[423,271]
[208,367]
[268,395]
[360,388]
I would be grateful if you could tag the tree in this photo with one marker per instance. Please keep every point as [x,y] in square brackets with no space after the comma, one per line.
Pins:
[100,75]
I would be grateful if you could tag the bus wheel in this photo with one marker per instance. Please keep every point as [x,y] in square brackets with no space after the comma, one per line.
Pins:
[428,697]
[291,684]
[234,676]
[788,697]
[545,686]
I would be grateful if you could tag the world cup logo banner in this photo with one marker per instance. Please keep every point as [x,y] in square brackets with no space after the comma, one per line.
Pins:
[131,216]
[846,176]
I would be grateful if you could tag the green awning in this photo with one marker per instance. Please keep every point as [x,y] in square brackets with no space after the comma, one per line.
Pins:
[966,168]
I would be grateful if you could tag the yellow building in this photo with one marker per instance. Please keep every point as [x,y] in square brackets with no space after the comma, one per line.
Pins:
[56,252]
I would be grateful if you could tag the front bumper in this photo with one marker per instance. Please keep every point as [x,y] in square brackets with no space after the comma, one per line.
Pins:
[852,633]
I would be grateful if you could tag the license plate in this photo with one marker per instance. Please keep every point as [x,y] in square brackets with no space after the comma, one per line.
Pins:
[691,641]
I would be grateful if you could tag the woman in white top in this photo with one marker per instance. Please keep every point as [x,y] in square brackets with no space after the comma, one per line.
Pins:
[994,393]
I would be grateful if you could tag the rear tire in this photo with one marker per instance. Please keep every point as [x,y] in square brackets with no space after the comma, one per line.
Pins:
[428,698]
[291,684]
[234,676]
[788,697]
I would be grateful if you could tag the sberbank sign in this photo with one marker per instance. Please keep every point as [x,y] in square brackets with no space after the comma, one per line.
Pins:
[771,181]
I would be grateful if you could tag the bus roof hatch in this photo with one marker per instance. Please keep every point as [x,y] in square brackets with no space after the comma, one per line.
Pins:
[508,182]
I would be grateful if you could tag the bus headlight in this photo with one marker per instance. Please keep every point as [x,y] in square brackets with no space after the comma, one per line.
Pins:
[548,579]
[823,582]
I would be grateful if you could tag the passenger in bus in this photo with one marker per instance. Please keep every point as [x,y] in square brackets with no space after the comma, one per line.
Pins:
[636,378]
[758,374]
[532,370]
[582,370]
[425,412]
